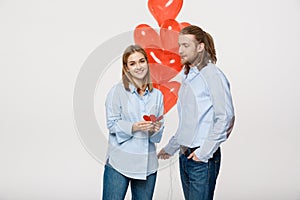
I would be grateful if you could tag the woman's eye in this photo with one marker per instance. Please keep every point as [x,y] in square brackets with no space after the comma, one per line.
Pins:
[131,64]
[142,61]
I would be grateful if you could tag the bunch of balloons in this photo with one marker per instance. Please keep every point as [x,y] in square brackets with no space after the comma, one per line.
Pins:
[162,47]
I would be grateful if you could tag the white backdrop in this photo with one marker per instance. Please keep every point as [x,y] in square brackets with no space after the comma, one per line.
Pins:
[43,45]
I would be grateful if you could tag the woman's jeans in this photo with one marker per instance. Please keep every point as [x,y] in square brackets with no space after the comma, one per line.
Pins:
[115,186]
[199,178]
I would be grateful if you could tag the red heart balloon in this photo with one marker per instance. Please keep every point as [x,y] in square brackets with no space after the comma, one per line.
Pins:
[184,24]
[164,65]
[170,91]
[169,33]
[164,9]
[146,36]
[163,57]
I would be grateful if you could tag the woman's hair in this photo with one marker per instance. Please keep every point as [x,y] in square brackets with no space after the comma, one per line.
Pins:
[209,53]
[127,77]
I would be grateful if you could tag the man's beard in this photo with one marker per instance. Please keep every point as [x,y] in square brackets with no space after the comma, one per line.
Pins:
[184,62]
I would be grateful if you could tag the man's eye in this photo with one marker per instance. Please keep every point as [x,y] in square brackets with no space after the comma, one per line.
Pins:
[183,45]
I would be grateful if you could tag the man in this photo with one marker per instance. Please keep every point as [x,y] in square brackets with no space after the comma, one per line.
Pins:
[206,115]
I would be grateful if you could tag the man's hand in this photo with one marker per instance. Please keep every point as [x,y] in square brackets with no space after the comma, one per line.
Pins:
[163,155]
[194,157]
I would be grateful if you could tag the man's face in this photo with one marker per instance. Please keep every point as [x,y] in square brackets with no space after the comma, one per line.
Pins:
[188,49]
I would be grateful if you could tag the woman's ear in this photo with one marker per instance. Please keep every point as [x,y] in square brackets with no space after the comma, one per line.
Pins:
[200,47]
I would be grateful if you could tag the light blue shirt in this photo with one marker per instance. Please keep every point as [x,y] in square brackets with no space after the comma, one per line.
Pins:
[132,154]
[205,111]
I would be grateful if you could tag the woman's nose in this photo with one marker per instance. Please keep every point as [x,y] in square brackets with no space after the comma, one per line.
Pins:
[138,65]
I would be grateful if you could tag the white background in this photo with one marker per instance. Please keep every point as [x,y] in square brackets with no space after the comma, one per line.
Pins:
[44,43]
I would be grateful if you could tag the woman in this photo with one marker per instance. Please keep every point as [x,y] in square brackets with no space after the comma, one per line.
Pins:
[131,156]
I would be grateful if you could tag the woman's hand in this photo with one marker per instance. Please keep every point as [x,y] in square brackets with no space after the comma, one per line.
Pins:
[142,126]
[155,127]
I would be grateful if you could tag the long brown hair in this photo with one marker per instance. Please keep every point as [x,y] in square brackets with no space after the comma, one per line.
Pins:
[209,53]
[126,77]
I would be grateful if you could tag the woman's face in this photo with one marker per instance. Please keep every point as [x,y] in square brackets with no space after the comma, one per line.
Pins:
[137,67]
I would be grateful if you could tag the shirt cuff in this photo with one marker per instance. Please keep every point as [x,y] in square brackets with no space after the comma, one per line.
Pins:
[156,137]
[124,131]
[172,146]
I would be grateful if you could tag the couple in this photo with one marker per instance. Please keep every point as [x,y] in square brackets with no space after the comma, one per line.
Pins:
[206,118]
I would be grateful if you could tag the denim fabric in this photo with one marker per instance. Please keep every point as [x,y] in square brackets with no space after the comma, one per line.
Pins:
[115,186]
[199,178]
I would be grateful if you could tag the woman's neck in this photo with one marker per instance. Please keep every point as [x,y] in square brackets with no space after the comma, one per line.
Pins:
[140,91]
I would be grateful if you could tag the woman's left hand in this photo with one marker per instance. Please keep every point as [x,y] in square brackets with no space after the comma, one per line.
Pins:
[155,127]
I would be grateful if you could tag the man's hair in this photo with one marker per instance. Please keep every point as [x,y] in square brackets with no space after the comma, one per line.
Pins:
[209,53]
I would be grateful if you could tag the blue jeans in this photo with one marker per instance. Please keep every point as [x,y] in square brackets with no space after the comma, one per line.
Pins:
[198,179]
[115,186]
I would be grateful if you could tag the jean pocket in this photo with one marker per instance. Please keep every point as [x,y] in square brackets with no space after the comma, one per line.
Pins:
[197,161]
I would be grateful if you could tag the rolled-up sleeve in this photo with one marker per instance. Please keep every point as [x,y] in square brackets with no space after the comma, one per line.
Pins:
[172,146]
[115,124]
[156,137]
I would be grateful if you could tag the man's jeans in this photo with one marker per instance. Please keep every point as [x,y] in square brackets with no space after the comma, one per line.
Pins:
[115,186]
[198,178]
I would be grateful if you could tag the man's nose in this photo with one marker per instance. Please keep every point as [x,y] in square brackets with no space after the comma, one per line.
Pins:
[180,50]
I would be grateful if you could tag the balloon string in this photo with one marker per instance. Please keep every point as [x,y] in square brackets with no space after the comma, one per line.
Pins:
[171,180]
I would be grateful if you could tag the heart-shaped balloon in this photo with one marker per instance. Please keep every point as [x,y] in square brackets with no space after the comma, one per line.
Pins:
[170,91]
[184,24]
[169,33]
[146,36]
[164,9]
[164,65]
[163,57]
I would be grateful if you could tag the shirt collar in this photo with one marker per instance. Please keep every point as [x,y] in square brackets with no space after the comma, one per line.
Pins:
[133,89]
[194,70]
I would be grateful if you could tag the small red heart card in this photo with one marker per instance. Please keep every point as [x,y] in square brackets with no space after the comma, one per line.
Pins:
[152,118]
